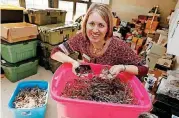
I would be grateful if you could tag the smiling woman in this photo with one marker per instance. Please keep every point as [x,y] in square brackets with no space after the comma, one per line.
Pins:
[97,44]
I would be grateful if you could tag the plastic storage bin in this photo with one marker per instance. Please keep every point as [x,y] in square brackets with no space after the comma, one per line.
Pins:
[21,70]
[74,108]
[161,110]
[45,49]
[31,112]
[16,52]
[46,16]
[57,33]
[54,65]
[50,64]
[171,103]
[44,62]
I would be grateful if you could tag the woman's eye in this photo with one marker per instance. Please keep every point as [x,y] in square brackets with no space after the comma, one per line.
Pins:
[101,25]
[92,23]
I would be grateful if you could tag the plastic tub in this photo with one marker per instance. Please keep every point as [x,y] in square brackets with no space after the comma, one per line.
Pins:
[74,108]
[31,112]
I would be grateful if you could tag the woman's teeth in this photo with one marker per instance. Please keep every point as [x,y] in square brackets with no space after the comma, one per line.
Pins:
[95,35]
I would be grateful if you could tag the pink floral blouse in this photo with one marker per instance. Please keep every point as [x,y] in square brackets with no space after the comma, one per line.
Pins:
[117,52]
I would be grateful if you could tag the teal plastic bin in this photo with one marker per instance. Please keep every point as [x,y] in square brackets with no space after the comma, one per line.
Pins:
[21,70]
[38,112]
[17,52]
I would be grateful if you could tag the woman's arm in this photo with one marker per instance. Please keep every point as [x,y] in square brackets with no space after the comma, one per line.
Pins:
[61,57]
[61,52]
[129,61]
[136,70]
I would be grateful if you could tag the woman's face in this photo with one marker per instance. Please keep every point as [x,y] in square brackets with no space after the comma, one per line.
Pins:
[96,28]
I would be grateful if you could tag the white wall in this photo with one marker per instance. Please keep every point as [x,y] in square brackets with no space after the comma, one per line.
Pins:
[177,6]
[128,9]
[177,64]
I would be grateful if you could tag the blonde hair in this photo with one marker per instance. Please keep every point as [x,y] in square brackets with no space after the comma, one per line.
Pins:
[105,12]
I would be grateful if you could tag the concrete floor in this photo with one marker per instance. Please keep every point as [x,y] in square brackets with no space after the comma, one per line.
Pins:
[7,88]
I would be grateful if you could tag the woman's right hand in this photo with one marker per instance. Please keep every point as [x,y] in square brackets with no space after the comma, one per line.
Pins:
[75,64]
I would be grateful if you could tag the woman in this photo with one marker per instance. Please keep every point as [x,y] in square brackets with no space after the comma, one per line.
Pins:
[97,44]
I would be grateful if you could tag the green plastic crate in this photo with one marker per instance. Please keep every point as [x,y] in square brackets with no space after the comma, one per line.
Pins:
[21,70]
[57,33]
[17,52]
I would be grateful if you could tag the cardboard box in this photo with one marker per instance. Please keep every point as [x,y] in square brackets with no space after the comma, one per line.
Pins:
[149,31]
[116,21]
[140,41]
[154,25]
[155,37]
[134,40]
[15,32]
[165,62]
[137,41]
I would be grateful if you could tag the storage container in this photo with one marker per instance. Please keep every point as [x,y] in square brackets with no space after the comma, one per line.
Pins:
[46,16]
[57,33]
[20,70]
[75,108]
[55,64]
[44,62]
[16,52]
[161,110]
[160,113]
[46,49]
[172,102]
[15,32]
[29,112]
[11,14]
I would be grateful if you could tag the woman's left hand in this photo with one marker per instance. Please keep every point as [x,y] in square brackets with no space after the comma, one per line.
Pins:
[116,69]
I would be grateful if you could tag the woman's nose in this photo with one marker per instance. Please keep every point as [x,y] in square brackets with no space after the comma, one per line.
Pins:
[95,29]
